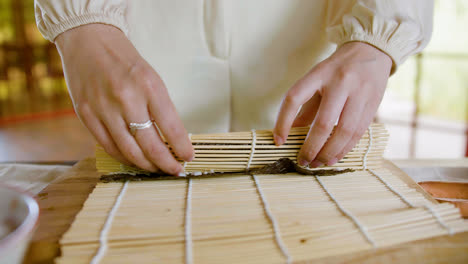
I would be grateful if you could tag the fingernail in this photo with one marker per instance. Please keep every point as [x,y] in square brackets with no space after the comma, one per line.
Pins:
[278,140]
[179,170]
[303,162]
[191,158]
[182,174]
[332,161]
[315,164]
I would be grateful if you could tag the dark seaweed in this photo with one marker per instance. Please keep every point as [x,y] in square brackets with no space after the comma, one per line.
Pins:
[281,166]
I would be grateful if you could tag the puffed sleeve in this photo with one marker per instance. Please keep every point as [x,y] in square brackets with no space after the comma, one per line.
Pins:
[54,17]
[399,28]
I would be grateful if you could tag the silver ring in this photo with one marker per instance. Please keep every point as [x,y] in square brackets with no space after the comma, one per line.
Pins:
[137,126]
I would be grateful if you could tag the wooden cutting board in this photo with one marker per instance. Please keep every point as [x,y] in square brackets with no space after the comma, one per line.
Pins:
[61,201]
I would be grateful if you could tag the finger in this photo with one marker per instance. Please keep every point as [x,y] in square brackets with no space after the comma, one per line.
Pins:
[126,143]
[299,94]
[366,120]
[308,112]
[350,145]
[328,112]
[100,133]
[153,146]
[168,121]
[344,132]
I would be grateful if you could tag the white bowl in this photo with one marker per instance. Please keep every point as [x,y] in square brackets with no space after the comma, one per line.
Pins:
[19,213]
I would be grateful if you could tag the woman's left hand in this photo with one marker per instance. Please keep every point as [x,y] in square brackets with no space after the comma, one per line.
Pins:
[349,85]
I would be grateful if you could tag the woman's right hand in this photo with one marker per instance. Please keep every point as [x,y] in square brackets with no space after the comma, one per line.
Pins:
[111,86]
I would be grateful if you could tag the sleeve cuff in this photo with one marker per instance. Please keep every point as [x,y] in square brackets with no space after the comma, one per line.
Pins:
[389,28]
[392,49]
[116,20]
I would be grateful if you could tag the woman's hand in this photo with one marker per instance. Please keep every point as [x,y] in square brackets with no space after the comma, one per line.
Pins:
[349,85]
[111,86]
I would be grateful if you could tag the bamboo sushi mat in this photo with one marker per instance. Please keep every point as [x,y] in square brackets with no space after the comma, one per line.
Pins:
[238,218]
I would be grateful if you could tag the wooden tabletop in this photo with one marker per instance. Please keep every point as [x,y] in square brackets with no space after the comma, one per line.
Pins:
[61,201]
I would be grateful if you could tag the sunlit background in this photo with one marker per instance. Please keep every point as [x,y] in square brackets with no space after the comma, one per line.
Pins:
[425,107]
[426,104]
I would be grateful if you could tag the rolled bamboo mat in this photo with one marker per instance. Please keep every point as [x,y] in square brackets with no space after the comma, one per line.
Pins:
[242,151]
[252,219]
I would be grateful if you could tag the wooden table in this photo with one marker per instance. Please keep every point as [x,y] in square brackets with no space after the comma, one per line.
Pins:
[64,198]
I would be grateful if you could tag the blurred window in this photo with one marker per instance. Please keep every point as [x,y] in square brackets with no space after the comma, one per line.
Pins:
[425,107]
[31,78]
